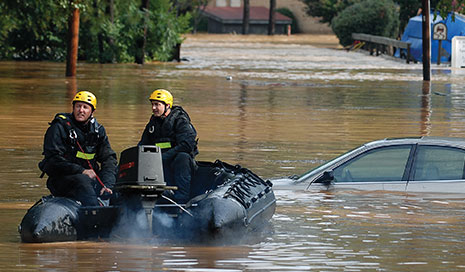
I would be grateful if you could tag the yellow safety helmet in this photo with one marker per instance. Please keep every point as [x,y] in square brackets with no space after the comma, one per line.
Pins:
[163,96]
[87,97]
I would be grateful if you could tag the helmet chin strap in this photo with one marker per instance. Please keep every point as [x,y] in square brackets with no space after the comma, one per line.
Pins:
[90,117]
[167,107]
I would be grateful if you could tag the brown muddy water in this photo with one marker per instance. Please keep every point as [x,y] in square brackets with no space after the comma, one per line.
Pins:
[275,106]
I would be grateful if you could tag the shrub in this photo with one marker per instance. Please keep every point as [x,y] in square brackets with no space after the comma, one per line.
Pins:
[287,12]
[376,17]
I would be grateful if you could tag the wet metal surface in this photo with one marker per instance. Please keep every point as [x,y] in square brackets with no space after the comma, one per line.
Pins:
[278,109]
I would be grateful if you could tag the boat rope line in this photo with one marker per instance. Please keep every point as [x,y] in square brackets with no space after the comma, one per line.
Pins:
[179,206]
[241,189]
[90,165]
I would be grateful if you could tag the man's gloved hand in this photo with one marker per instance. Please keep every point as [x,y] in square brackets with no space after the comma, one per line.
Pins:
[105,193]
[168,155]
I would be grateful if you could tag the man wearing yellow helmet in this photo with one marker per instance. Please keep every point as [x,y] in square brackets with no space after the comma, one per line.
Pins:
[78,157]
[171,129]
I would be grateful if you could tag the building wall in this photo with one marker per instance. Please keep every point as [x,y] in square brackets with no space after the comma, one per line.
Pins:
[225,3]
[307,24]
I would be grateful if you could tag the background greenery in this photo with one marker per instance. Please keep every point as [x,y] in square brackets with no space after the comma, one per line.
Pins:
[109,29]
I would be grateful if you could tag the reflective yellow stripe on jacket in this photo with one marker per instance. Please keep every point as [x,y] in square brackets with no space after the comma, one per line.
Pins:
[163,145]
[85,156]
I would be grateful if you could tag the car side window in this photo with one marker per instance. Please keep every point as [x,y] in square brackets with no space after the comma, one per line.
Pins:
[381,164]
[438,163]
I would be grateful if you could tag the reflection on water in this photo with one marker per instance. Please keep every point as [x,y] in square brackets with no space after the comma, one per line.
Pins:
[117,257]
[285,109]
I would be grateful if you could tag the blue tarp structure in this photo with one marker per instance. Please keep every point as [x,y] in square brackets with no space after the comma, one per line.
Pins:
[413,34]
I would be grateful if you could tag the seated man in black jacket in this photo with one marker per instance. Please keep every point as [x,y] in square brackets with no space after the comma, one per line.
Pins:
[78,157]
[170,128]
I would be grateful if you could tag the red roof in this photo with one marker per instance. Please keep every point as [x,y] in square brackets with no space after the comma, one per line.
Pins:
[236,13]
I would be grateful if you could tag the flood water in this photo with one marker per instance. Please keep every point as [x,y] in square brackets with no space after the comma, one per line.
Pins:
[277,108]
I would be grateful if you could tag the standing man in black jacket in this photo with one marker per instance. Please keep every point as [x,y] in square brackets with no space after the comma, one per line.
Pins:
[78,157]
[170,128]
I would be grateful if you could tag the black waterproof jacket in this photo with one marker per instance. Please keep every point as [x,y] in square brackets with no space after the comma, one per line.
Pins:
[64,157]
[175,129]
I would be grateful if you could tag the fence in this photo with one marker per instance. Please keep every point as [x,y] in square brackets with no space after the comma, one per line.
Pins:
[380,43]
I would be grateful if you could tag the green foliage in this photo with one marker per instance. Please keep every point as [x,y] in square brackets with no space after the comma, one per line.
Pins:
[199,24]
[37,30]
[407,10]
[444,7]
[327,9]
[32,30]
[287,12]
[104,40]
[198,21]
[376,17]
[7,24]
[164,29]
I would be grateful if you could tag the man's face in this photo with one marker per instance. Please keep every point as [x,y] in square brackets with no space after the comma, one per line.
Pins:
[82,111]
[158,108]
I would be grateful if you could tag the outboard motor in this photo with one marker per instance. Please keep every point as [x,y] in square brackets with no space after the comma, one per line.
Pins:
[140,166]
[140,182]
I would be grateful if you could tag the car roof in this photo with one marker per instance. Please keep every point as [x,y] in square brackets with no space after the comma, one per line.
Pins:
[423,140]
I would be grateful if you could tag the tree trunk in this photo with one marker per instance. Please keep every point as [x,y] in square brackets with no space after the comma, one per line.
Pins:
[177,52]
[426,26]
[246,17]
[73,41]
[110,12]
[71,87]
[272,20]
[100,39]
[141,41]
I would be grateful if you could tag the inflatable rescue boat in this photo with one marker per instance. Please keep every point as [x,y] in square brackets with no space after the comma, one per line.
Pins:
[226,200]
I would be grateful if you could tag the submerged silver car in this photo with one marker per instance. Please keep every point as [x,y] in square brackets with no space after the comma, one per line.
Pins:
[423,164]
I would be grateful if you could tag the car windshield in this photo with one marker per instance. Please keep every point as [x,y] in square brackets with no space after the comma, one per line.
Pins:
[304,176]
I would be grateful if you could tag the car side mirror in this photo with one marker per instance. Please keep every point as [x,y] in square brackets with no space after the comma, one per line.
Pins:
[327,178]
